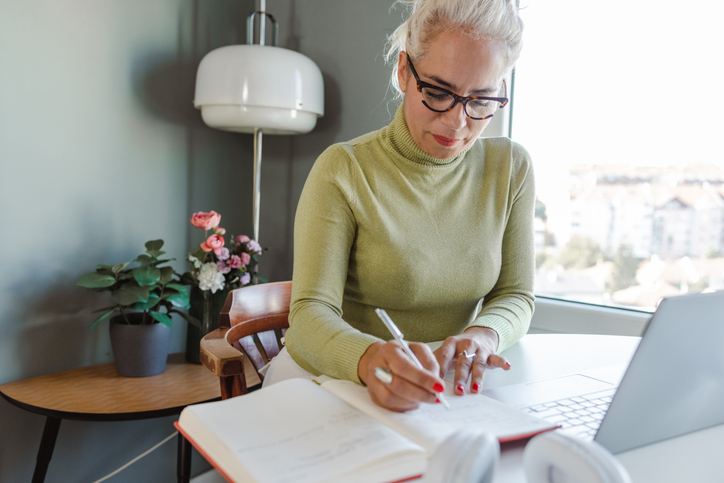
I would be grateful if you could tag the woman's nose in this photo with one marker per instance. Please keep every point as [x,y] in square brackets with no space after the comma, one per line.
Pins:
[455,118]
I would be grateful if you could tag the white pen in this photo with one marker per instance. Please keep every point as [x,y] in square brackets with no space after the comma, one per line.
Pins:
[399,337]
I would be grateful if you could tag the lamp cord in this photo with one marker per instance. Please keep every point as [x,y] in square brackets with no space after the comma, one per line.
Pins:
[137,458]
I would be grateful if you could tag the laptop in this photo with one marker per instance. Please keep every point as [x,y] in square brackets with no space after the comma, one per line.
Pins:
[673,385]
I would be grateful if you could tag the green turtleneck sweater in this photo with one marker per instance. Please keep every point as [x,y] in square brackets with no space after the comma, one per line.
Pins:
[441,245]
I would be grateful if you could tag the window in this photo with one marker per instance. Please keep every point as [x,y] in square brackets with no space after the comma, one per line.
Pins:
[620,105]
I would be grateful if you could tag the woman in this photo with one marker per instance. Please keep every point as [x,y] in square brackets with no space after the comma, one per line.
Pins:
[421,218]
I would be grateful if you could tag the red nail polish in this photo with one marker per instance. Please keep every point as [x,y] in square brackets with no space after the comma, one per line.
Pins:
[476,387]
[437,401]
[438,387]
[461,388]
[507,363]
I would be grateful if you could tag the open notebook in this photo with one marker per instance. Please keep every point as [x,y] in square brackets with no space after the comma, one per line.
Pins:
[299,431]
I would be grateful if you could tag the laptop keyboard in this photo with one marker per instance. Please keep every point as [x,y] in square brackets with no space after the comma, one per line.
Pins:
[580,415]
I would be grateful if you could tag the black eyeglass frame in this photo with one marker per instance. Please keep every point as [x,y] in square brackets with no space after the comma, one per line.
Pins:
[456,98]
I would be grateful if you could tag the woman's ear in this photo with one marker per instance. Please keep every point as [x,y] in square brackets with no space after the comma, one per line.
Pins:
[402,71]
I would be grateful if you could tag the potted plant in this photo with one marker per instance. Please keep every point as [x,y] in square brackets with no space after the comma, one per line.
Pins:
[215,269]
[145,294]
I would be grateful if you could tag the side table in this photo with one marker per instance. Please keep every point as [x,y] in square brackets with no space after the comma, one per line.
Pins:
[98,393]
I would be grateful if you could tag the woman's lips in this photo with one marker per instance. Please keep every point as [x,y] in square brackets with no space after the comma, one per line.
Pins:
[445,141]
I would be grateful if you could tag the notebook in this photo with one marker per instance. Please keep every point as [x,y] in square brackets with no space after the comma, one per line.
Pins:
[297,431]
[673,385]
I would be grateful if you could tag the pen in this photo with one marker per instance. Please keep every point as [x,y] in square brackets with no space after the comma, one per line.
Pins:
[399,337]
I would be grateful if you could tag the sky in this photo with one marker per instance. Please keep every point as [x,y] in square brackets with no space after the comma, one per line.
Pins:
[638,83]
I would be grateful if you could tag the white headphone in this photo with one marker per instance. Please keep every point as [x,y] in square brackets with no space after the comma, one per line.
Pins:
[553,457]
[464,457]
[557,457]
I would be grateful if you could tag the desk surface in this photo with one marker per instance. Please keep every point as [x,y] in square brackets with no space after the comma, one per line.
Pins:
[99,393]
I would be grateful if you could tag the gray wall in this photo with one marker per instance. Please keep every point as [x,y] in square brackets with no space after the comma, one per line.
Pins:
[101,150]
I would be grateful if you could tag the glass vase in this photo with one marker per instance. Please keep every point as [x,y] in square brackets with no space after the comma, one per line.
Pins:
[205,307]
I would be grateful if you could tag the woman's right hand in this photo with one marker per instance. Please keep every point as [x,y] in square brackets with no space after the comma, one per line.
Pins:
[410,385]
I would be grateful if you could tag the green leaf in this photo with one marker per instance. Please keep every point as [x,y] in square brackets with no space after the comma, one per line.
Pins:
[130,295]
[177,286]
[262,278]
[180,299]
[105,308]
[159,262]
[166,275]
[191,320]
[141,291]
[163,318]
[102,317]
[144,260]
[146,276]
[95,280]
[153,300]
[155,253]
[117,268]
[154,245]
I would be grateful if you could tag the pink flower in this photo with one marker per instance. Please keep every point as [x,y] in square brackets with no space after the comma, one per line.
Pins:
[223,267]
[223,253]
[242,239]
[205,221]
[235,261]
[220,231]
[254,246]
[245,279]
[245,258]
[214,242]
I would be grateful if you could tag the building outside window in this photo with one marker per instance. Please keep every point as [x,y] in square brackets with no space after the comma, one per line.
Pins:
[620,105]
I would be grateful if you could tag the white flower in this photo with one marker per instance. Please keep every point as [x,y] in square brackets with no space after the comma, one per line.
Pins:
[210,278]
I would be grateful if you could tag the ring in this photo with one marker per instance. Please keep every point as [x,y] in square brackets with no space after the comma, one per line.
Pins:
[467,356]
[383,375]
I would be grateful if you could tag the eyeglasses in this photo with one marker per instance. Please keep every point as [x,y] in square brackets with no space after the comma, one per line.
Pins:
[442,100]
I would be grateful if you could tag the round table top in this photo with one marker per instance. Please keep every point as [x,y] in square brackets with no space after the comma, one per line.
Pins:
[99,393]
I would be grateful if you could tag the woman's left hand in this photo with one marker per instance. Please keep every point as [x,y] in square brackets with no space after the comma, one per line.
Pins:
[480,341]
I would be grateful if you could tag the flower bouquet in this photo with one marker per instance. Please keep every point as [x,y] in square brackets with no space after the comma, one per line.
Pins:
[215,269]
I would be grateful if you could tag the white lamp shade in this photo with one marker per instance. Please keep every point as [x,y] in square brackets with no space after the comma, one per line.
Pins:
[243,87]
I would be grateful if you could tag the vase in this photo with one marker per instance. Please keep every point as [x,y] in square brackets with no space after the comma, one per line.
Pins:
[205,307]
[139,350]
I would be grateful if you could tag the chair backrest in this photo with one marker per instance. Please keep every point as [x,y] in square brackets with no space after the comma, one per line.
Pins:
[255,319]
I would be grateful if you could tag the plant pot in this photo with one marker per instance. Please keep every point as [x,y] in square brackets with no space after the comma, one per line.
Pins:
[140,350]
[205,307]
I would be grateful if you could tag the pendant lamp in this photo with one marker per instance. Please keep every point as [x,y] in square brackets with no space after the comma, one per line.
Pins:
[257,88]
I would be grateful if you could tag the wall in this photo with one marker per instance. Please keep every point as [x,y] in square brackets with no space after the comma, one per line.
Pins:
[101,150]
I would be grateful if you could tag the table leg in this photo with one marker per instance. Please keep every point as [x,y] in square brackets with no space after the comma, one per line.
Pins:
[45,452]
[183,464]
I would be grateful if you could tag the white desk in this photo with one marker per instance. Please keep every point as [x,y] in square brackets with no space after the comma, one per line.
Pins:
[696,457]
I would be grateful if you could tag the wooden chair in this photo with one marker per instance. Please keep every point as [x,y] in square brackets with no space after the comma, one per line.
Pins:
[251,325]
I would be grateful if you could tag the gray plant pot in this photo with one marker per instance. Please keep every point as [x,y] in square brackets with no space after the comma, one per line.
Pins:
[139,350]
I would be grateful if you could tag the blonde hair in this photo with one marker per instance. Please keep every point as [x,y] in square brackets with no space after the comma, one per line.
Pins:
[495,20]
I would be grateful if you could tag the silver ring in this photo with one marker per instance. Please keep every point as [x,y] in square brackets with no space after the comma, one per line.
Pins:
[383,375]
[467,356]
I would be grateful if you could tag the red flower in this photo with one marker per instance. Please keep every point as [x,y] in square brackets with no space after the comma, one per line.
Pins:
[214,242]
[205,221]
